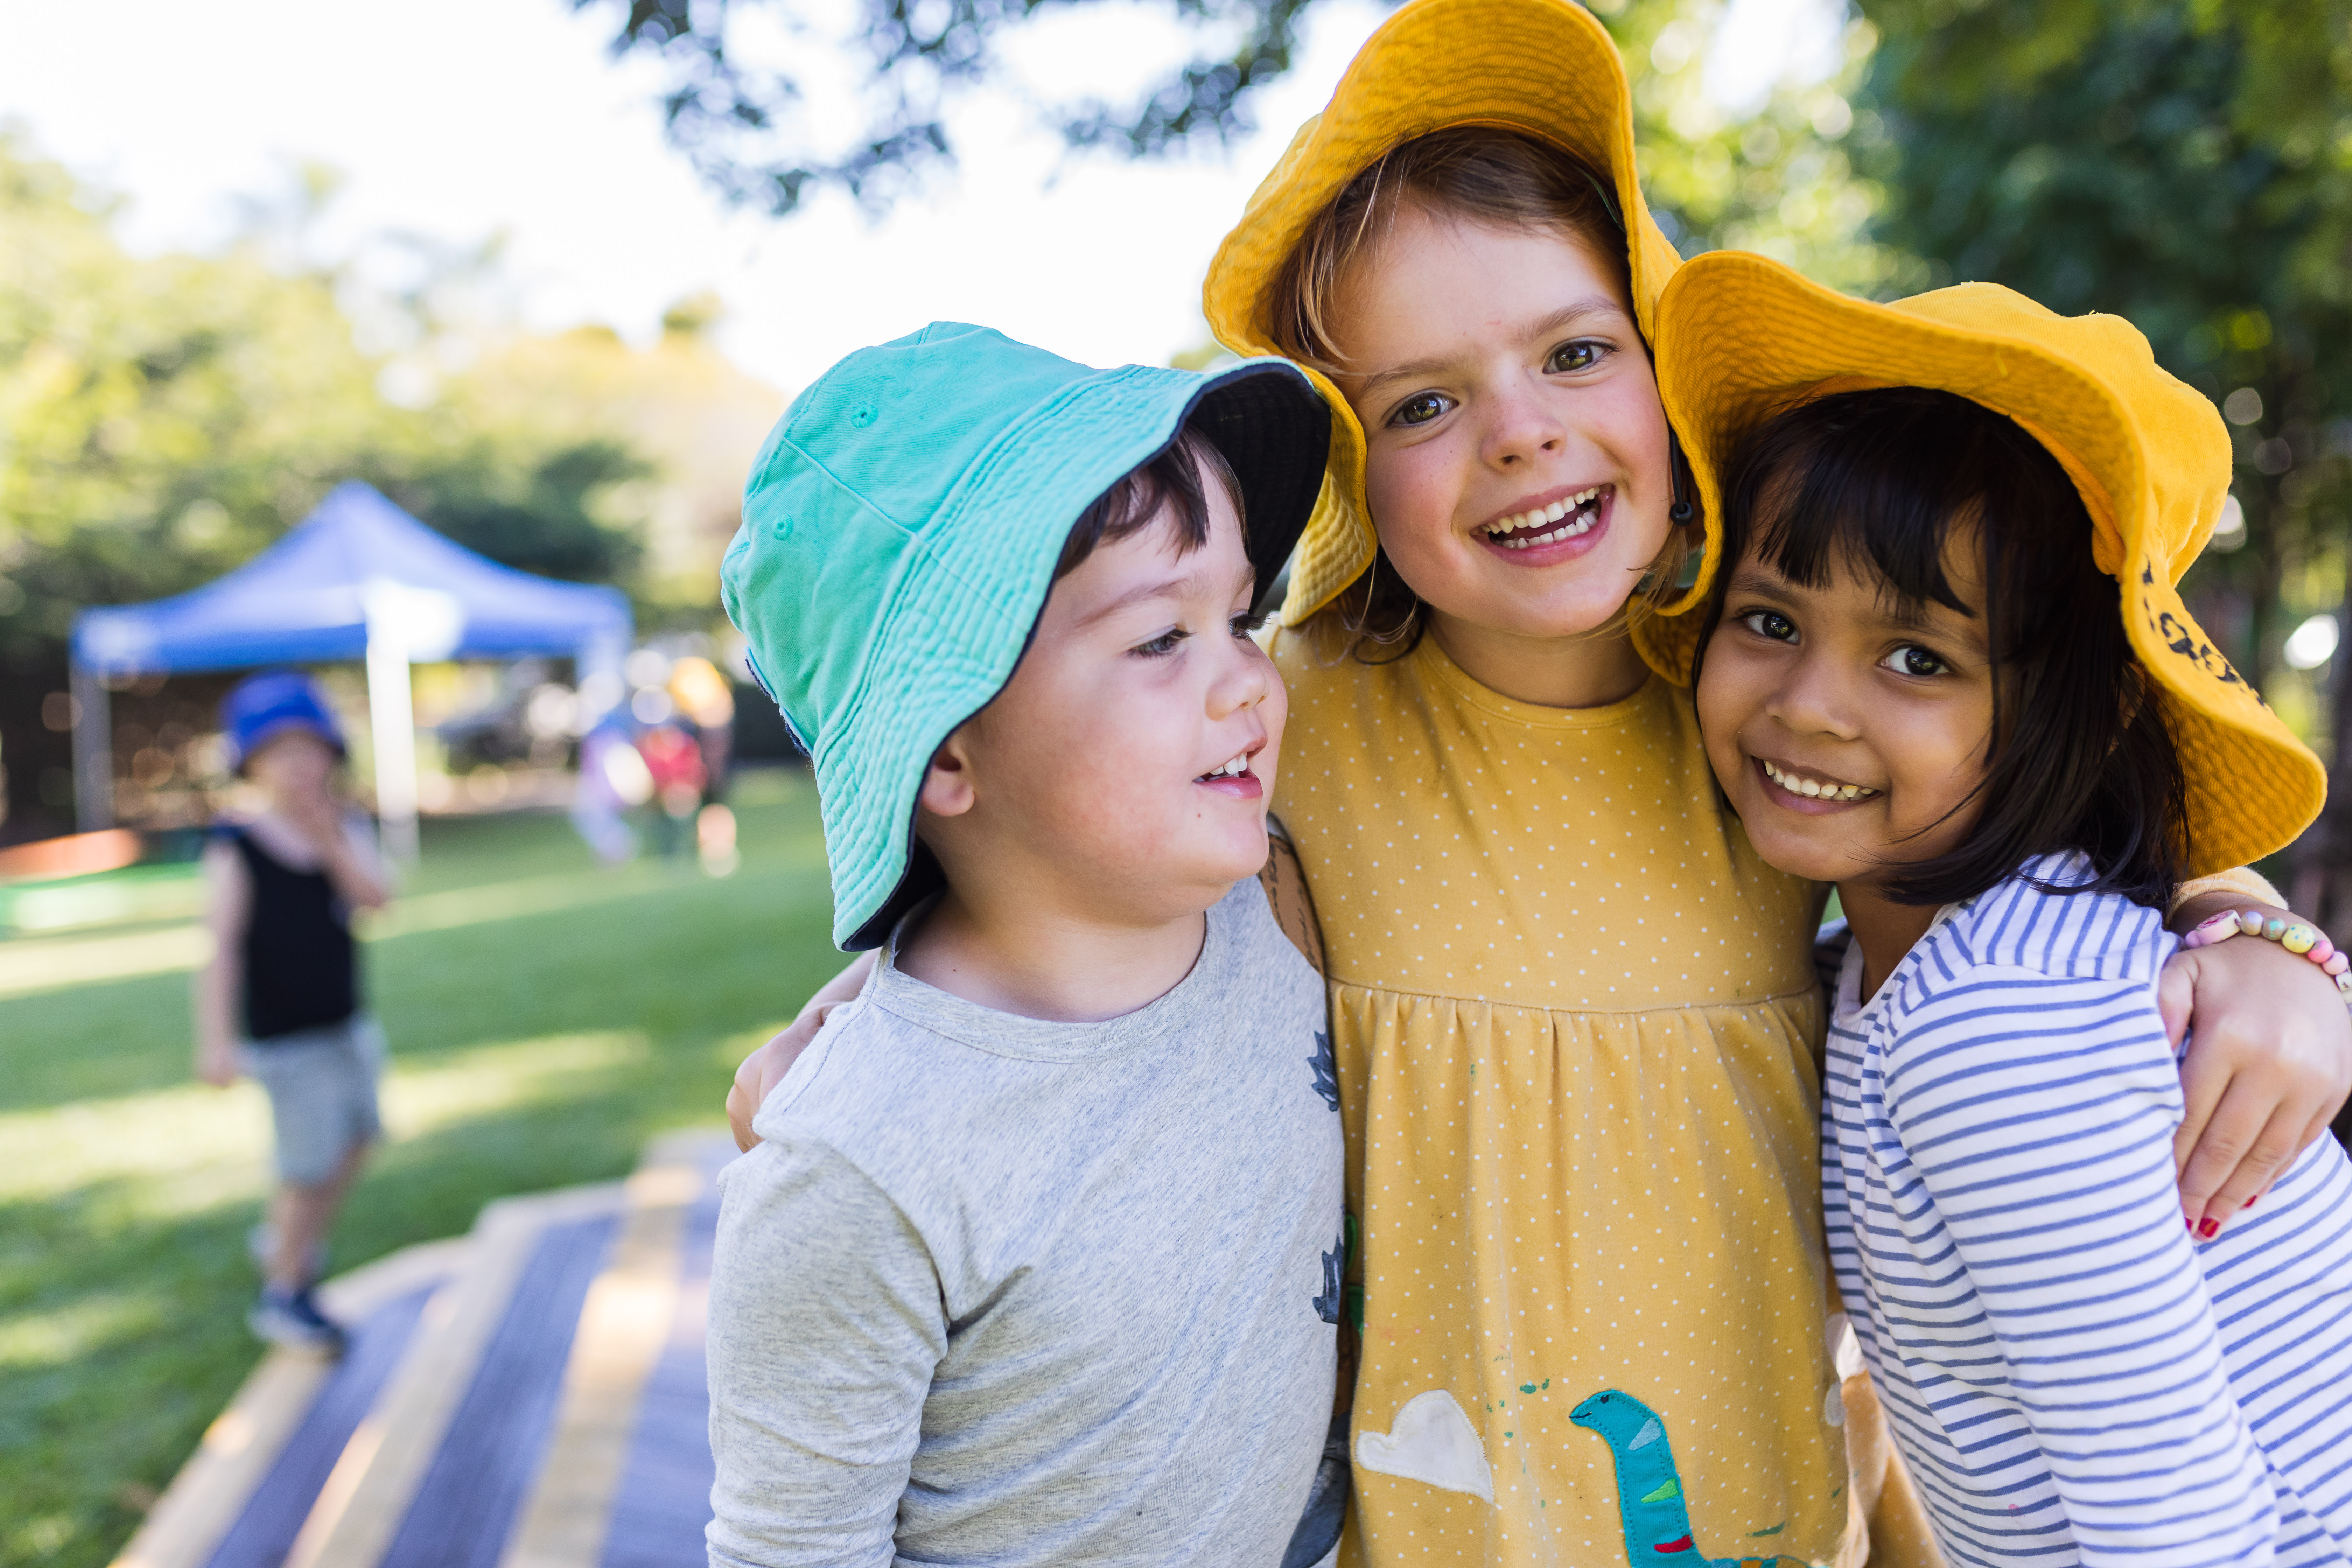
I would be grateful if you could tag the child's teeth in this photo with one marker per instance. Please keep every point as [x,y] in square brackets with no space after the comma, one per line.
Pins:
[1571,506]
[1813,788]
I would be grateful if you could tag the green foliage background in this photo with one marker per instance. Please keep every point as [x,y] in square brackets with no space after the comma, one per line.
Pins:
[163,418]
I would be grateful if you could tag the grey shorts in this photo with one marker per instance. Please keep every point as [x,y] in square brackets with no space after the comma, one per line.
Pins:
[322,1085]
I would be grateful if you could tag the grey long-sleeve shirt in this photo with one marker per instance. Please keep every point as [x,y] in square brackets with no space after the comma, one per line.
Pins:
[1001,1291]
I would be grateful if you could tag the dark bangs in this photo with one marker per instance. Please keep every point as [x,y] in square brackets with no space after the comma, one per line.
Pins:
[1178,480]
[1876,483]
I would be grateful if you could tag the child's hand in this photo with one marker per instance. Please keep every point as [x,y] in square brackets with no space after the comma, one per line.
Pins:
[765,1067]
[216,1063]
[2269,1065]
[313,814]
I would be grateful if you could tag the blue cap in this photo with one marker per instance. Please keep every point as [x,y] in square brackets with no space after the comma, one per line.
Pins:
[263,707]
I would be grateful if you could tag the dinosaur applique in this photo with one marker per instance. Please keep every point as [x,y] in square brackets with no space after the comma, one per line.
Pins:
[1649,1487]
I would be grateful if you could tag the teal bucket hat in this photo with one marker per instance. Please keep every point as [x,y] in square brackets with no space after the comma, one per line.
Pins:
[900,530]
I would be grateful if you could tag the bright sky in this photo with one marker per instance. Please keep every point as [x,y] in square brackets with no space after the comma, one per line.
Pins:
[464,118]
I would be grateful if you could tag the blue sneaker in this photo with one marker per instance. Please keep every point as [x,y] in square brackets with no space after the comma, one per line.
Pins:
[291,1318]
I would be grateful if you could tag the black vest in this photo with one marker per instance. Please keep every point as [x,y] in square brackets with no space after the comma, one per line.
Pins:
[301,971]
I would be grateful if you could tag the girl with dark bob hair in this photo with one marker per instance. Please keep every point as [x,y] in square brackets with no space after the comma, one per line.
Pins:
[1914,682]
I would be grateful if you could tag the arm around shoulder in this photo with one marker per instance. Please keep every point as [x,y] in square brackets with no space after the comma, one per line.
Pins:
[825,1328]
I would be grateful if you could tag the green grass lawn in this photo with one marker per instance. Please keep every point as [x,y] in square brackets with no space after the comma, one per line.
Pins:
[546,1016]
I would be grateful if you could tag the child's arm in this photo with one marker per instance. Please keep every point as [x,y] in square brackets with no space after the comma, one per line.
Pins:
[2269,1062]
[228,900]
[348,860]
[2038,1115]
[825,1327]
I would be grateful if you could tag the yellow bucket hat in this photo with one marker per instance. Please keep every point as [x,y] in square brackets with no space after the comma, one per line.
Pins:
[1544,68]
[1741,338]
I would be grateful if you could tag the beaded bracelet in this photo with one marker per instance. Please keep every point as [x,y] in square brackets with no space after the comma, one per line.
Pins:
[2292,935]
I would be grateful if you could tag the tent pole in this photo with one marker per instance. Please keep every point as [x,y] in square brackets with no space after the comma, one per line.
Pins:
[391,719]
[93,750]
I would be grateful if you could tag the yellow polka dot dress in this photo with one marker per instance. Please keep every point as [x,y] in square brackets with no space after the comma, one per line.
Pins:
[1576,1023]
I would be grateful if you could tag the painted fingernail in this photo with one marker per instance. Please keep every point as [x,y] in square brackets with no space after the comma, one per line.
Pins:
[2209,1228]
[2250,1201]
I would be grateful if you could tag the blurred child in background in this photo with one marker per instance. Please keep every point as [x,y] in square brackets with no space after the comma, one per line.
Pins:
[279,999]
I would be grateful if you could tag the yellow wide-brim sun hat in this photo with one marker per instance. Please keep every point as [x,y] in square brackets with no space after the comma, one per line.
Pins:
[1543,67]
[1741,338]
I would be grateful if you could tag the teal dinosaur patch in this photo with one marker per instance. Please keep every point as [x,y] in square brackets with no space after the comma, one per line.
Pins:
[1650,1504]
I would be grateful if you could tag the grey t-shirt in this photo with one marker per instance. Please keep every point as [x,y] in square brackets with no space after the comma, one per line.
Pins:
[1001,1291]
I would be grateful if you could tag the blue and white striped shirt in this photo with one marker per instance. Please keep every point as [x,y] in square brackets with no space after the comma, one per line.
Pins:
[2071,1378]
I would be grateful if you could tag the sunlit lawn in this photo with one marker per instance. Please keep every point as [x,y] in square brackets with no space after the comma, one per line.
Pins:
[546,1016]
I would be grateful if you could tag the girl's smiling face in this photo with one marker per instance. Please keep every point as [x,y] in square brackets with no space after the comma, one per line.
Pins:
[1849,731]
[1517,453]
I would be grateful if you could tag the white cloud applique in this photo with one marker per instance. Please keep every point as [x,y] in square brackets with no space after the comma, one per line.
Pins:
[1432,1441]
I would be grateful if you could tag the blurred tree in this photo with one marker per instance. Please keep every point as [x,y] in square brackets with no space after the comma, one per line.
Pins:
[540,516]
[2186,164]
[733,94]
[1780,180]
[687,410]
[163,419]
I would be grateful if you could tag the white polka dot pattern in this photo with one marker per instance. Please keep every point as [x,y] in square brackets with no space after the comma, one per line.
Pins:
[1578,1029]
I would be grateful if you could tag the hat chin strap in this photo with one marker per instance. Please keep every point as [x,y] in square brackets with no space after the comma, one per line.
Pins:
[1678,477]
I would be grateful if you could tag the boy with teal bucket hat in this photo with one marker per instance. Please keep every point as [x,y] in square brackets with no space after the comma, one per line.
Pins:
[1036,1257]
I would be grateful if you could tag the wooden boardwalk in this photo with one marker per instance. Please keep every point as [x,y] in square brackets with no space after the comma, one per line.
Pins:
[531,1395]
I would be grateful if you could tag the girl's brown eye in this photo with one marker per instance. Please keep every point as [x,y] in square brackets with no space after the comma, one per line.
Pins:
[1419,409]
[1770,624]
[1575,356]
[1916,661]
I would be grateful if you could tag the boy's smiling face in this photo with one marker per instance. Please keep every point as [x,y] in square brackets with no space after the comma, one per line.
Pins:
[1848,729]
[1123,771]
[1515,450]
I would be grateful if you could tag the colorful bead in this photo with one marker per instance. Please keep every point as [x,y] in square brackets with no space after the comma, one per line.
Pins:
[2221,928]
[2306,941]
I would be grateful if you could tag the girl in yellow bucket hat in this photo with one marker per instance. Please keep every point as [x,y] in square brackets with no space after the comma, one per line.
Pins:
[1915,683]
[1576,1015]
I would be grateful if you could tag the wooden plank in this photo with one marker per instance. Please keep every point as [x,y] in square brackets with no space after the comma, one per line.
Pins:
[664,1497]
[470,1495]
[245,1443]
[623,1325]
[273,1515]
[369,1493]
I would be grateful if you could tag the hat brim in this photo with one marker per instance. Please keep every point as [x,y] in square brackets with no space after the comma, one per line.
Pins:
[1272,427]
[1544,68]
[1741,338]
[275,728]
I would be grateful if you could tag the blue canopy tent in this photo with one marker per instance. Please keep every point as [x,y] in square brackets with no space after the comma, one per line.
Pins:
[357,579]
